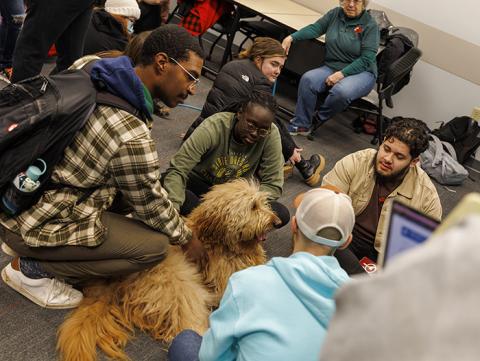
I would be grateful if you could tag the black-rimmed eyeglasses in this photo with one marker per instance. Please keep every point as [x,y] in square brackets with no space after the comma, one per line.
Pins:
[262,132]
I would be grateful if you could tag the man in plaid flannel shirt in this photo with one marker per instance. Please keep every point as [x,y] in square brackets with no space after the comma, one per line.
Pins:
[65,238]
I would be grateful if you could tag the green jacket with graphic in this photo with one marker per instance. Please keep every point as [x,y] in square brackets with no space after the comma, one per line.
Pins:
[212,154]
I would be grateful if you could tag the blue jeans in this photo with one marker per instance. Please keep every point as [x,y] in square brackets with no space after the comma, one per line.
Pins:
[185,346]
[12,13]
[338,98]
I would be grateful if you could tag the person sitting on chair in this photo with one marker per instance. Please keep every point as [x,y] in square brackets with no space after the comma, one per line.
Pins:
[374,178]
[228,146]
[257,69]
[350,70]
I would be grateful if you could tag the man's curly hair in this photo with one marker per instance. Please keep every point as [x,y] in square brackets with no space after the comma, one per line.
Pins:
[411,131]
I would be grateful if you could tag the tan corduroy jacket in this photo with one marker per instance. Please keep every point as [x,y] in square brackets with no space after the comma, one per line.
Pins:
[355,175]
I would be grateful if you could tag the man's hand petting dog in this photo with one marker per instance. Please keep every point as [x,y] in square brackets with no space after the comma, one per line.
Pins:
[195,251]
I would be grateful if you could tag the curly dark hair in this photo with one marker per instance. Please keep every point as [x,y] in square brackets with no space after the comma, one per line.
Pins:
[171,39]
[261,98]
[412,132]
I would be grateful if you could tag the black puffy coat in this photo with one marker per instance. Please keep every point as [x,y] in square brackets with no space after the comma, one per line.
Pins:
[236,81]
[104,33]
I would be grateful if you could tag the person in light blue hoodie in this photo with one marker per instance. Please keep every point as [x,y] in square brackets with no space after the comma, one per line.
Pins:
[281,310]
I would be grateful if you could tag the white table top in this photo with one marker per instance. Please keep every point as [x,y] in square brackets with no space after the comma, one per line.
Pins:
[295,22]
[277,7]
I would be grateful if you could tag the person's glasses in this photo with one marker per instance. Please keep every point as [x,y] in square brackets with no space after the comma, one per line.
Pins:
[194,80]
[355,2]
[262,132]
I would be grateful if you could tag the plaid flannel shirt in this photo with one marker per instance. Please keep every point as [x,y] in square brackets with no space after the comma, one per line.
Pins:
[115,152]
[203,15]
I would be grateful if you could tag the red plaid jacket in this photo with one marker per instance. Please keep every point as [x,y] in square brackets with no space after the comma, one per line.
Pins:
[203,15]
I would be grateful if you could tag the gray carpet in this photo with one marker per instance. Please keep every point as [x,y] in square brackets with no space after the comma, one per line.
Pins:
[27,332]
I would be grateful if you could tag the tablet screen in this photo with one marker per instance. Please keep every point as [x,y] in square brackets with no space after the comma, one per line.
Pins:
[407,228]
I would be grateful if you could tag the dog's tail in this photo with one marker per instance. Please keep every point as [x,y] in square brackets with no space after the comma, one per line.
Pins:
[98,321]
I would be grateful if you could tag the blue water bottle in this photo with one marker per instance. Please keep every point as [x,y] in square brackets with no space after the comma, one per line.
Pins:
[18,195]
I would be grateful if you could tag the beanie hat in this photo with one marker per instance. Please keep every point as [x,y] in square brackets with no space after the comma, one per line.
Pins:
[322,208]
[127,8]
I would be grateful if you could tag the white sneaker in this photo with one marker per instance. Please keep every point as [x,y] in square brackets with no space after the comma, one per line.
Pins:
[45,292]
[8,251]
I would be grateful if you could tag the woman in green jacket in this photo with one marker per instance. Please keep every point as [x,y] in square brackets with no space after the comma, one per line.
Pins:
[350,69]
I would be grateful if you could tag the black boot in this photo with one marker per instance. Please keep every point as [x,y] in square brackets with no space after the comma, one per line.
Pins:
[310,169]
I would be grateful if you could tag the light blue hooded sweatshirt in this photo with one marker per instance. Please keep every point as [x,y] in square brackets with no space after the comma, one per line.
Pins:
[278,311]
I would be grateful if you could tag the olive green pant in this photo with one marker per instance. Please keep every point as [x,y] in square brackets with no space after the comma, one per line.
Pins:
[129,246]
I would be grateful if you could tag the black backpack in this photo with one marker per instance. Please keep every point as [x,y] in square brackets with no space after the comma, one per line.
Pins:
[39,118]
[398,43]
[463,134]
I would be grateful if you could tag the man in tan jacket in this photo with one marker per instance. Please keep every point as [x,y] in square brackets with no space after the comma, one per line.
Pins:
[374,178]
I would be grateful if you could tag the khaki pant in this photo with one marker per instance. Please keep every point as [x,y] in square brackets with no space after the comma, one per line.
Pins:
[129,246]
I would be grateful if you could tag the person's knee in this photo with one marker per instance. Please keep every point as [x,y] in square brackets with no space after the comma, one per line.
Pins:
[187,336]
[152,251]
[185,346]
[309,79]
[340,93]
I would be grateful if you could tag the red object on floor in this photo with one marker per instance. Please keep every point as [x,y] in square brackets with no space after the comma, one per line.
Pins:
[52,51]
[368,265]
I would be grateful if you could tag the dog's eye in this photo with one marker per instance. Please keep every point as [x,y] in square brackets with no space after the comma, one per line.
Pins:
[254,206]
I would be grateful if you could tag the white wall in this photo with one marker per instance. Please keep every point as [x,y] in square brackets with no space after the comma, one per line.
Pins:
[460,17]
[433,94]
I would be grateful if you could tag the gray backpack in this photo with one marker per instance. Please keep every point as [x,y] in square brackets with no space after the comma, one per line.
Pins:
[440,163]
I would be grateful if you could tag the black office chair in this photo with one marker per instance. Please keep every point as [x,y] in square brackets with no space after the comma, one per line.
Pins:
[224,28]
[254,28]
[386,88]
[397,73]
[250,28]
[181,10]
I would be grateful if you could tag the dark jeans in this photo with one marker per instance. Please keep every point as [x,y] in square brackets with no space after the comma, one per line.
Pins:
[185,346]
[60,22]
[12,13]
[349,258]
[196,188]
[129,246]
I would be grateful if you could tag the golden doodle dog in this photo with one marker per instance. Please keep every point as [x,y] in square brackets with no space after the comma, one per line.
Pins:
[231,222]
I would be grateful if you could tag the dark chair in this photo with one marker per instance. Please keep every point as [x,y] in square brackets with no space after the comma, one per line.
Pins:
[254,28]
[224,28]
[181,10]
[400,69]
[250,27]
[386,88]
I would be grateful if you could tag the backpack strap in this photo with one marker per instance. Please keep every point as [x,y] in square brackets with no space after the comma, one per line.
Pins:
[438,150]
[450,150]
[106,98]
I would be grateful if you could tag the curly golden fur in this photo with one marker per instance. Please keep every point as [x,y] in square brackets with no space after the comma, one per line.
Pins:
[231,221]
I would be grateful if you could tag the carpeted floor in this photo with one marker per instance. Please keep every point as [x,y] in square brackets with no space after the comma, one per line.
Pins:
[28,332]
